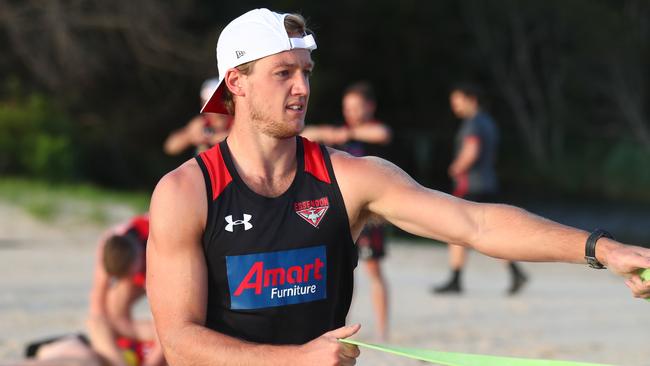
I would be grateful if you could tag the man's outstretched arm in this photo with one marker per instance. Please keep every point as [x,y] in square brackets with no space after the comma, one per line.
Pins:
[501,231]
[177,288]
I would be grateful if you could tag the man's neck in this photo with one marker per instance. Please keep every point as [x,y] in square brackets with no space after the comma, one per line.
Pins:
[266,164]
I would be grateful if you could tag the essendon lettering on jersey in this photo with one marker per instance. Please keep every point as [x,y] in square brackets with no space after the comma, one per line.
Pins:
[312,203]
[277,278]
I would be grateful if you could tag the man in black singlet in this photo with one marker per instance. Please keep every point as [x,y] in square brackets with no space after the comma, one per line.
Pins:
[251,249]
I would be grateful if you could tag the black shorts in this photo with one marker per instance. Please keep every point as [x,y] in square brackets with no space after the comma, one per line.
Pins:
[32,349]
[371,242]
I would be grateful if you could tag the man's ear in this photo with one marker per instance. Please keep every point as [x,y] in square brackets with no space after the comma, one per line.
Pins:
[233,82]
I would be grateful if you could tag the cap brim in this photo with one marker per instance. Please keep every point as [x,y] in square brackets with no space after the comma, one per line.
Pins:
[215,104]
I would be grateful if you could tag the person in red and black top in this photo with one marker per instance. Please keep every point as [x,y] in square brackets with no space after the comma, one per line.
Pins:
[474,174]
[251,253]
[114,337]
[118,283]
[360,130]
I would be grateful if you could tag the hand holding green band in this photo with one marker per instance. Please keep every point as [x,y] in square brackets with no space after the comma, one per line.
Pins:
[645,274]
[463,359]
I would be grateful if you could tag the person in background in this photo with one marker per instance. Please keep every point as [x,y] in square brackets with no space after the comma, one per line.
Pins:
[118,283]
[474,175]
[360,129]
[201,132]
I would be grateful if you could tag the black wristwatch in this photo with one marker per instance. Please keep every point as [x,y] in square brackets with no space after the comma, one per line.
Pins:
[590,247]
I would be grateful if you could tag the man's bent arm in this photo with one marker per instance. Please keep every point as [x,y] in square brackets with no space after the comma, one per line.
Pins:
[99,288]
[467,156]
[184,137]
[177,286]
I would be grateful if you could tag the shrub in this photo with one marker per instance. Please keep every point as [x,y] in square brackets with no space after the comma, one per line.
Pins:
[36,140]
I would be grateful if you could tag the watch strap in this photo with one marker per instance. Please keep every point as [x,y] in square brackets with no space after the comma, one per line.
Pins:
[590,247]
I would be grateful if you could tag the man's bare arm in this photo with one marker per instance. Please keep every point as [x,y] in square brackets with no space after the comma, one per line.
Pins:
[177,288]
[100,283]
[497,230]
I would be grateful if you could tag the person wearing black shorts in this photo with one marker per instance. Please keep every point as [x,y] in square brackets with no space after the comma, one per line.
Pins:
[360,132]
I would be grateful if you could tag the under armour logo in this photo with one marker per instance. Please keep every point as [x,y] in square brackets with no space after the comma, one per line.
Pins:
[246,222]
[239,54]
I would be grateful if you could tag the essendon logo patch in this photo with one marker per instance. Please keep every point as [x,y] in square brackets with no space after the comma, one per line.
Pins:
[312,211]
[277,278]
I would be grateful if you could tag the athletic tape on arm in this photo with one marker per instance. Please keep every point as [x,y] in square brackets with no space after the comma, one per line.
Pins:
[463,359]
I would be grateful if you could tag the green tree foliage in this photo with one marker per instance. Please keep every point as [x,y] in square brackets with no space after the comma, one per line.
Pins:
[566,81]
[36,140]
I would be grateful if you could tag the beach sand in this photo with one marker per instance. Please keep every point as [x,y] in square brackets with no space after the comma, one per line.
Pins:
[567,312]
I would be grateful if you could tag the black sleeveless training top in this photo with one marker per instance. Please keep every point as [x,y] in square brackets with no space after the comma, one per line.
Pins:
[280,270]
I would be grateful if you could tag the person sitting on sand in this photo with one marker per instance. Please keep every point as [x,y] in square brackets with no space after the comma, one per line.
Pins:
[118,283]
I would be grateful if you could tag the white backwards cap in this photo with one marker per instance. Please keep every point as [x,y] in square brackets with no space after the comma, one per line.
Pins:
[254,35]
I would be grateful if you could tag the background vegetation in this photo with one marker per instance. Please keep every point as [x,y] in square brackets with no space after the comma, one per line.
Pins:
[90,89]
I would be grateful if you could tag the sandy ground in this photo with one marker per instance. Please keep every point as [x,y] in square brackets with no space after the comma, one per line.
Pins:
[566,312]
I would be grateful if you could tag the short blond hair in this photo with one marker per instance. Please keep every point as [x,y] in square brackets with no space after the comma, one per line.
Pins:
[295,25]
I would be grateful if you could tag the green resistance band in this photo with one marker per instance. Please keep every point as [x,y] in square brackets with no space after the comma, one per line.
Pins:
[466,359]
[645,276]
[463,359]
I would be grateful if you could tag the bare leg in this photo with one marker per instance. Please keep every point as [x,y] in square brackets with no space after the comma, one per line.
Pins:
[379,293]
[102,338]
[104,330]
[68,351]
[457,256]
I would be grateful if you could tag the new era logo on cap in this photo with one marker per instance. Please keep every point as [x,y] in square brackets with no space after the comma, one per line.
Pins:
[263,34]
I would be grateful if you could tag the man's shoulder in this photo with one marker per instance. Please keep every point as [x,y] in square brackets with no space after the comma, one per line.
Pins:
[179,198]
[365,179]
[340,157]
[347,164]
[188,170]
[184,179]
